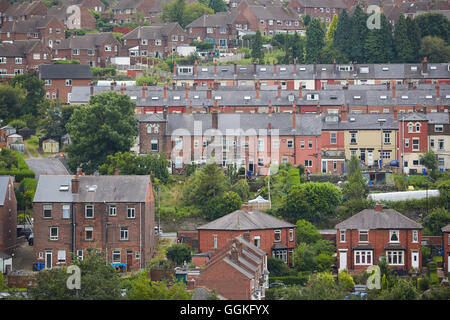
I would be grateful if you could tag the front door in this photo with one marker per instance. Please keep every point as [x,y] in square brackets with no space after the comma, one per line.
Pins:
[342,260]
[129,258]
[415,259]
[324,166]
[48,259]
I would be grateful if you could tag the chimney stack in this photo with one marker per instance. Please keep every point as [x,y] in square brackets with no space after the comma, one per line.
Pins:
[295,66]
[166,86]
[215,119]
[235,69]
[144,90]
[344,114]
[245,206]
[274,67]
[122,88]
[254,68]
[379,207]
[174,67]
[300,95]
[393,90]
[334,66]
[215,67]
[294,123]
[270,106]
[438,93]
[424,66]
[195,67]
[76,183]
[257,89]
[279,92]
[91,89]
[318,107]
[186,91]
[395,113]
[209,93]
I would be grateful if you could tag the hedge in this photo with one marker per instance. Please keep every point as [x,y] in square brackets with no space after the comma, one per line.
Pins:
[18,174]
[301,280]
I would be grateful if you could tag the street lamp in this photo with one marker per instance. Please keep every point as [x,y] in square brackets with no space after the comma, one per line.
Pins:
[381,121]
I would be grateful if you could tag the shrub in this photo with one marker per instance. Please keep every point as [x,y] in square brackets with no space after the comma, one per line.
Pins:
[423,283]
[291,280]
[346,281]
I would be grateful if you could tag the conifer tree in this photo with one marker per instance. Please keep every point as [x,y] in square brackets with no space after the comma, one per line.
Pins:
[315,41]
[402,44]
[359,33]
[341,38]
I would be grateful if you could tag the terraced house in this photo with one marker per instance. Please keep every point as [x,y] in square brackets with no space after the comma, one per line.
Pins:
[93,49]
[157,40]
[110,214]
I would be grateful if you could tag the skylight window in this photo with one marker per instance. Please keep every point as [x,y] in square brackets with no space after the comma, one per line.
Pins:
[64,187]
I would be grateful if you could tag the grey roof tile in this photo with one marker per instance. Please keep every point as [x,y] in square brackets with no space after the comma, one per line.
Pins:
[373,219]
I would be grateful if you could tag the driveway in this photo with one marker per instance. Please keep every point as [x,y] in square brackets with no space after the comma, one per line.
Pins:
[23,257]
[46,166]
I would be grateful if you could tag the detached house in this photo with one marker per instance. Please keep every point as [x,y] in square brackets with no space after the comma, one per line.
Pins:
[60,78]
[365,237]
[238,270]
[22,56]
[111,214]
[273,236]
[157,40]
[8,214]
[94,49]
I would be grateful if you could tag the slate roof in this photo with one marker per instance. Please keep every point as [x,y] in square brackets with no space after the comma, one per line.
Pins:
[23,8]
[65,71]
[323,3]
[246,220]
[362,121]
[87,41]
[155,31]
[4,180]
[107,188]
[373,219]
[220,19]
[18,48]
[273,12]
[30,25]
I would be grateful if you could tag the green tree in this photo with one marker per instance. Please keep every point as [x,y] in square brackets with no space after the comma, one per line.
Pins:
[402,290]
[11,102]
[402,43]
[356,187]
[218,5]
[312,201]
[342,40]
[434,24]
[414,36]
[429,160]
[35,92]
[54,117]
[179,253]
[141,288]
[257,48]
[99,281]
[276,267]
[435,220]
[242,189]
[129,164]
[103,127]
[322,287]
[358,34]
[346,281]
[315,41]
[230,202]
[193,11]
[435,49]
[330,54]
[332,28]
[174,11]
[306,232]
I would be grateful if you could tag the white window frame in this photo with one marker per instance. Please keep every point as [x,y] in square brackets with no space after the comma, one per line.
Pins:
[86,207]
[275,233]
[54,237]
[342,236]
[66,211]
[131,212]
[291,234]
[215,241]
[124,233]
[398,254]
[415,236]
[361,232]
[47,207]
[392,233]
[90,229]
[112,209]
[61,254]
[363,255]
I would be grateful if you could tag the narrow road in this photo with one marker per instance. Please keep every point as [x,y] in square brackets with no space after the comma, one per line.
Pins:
[42,166]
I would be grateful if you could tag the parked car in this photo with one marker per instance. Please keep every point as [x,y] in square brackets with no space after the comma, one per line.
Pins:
[160,230]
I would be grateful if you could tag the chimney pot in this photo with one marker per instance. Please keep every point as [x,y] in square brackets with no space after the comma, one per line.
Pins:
[75,184]
[379,207]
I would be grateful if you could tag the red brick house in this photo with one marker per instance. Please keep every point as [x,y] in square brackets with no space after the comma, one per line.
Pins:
[446,248]
[363,238]
[112,214]
[22,56]
[413,140]
[48,29]
[125,11]
[60,78]
[237,271]
[220,28]
[94,49]
[323,9]
[86,20]
[275,237]
[8,214]
[157,40]
[21,11]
